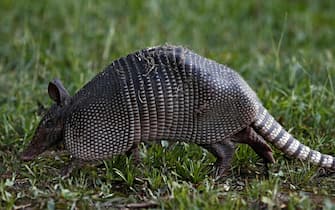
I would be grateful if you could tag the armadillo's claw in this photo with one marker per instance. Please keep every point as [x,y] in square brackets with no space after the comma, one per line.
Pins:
[220,170]
[66,172]
[68,169]
[223,151]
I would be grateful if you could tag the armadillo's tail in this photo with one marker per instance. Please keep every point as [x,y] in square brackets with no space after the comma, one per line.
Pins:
[273,132]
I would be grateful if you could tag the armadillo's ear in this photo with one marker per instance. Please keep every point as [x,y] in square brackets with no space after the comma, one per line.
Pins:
[57,92]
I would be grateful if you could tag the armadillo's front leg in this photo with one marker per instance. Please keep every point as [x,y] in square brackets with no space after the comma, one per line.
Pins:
[74,163]
[223,151]
[135,152]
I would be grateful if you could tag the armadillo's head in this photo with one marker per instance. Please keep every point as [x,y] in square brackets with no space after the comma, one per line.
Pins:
[51,128]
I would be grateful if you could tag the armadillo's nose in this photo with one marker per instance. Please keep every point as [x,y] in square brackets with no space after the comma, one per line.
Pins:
[25,156]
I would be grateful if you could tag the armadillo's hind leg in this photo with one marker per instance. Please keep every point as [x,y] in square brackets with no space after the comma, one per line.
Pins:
[223,151]
[256,142]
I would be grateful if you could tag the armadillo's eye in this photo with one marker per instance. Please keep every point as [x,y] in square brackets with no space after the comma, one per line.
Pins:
[49,123]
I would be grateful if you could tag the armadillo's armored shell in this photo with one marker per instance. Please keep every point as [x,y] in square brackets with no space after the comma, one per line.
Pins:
[158,93]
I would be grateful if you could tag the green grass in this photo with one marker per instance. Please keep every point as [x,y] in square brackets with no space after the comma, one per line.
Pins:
[283,49]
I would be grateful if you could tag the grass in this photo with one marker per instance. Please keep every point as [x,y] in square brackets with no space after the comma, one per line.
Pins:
[284,50]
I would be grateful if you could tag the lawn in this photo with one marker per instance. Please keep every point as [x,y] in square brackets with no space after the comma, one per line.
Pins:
[284,49]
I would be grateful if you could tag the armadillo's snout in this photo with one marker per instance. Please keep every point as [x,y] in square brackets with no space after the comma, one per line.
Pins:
[27,155]
[33,150]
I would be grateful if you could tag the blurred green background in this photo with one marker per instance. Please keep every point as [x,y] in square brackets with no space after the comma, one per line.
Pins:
[284,49]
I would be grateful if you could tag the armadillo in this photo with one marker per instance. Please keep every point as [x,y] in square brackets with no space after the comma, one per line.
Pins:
[164,93]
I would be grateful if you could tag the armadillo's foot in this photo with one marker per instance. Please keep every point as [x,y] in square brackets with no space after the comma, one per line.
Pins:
[74,163]
[134,151]
[256,142]
[223,151]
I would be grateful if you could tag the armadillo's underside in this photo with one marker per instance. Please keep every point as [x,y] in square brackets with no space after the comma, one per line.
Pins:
[158,93]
